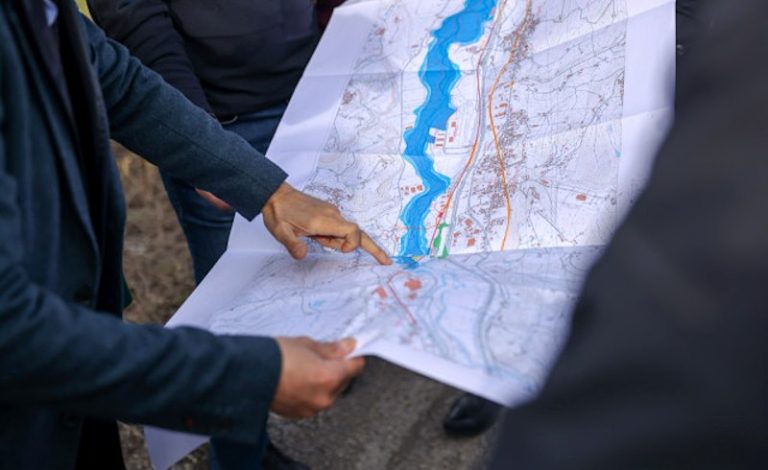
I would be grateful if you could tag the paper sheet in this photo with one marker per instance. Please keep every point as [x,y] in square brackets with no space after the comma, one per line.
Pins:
[492,145]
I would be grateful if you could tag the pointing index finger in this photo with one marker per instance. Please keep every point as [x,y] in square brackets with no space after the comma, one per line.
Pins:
[367,244]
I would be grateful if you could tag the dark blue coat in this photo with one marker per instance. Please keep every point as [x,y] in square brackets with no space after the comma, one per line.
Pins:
[65,355]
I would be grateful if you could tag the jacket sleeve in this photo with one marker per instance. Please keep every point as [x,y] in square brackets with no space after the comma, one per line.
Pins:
[154,120]
[62,356]
[146,28]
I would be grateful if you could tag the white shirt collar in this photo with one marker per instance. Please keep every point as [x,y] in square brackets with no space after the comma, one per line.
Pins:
[51,12]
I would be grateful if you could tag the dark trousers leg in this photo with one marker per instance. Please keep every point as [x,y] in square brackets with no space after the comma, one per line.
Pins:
[235,456]
[205,227]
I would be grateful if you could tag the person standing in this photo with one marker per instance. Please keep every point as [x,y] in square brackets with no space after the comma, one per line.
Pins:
[238,60]
[69,367]
[665,367]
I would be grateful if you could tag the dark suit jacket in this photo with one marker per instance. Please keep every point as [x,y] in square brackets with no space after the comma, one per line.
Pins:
[667,362]
[64,353]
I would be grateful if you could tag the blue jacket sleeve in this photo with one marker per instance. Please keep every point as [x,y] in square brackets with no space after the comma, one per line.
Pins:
[61,356]
[156,121]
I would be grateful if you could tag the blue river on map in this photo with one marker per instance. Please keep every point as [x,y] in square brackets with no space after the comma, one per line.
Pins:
[439,76]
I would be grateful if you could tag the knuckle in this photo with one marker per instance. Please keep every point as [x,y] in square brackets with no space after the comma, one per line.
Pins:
[324,402]
[319,378]
[354,231]
[327,380]
[314,226]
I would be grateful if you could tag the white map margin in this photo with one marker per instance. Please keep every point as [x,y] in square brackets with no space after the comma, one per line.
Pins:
[649,88]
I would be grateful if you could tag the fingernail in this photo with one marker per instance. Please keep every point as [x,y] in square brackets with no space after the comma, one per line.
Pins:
[348,345]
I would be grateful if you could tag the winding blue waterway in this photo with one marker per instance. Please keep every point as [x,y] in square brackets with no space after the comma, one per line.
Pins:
[439,75]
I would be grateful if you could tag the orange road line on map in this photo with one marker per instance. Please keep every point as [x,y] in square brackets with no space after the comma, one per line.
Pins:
[502,167]
[473,152]
[411,318]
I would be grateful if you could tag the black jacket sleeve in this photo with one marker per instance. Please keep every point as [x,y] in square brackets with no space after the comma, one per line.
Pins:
[147,29]
[666,363]
[152,119]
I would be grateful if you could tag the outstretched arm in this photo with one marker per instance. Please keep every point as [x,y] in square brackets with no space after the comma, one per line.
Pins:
[154,120]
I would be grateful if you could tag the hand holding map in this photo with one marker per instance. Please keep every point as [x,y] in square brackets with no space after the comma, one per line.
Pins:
[313,375]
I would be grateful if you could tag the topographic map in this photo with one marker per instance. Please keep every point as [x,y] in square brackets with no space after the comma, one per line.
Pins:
[502,314]
[481,143]
[490,146]
[482,126]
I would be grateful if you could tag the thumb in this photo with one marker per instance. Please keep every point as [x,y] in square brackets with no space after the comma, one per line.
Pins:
[344,370]
[295,246]
[334,350]
[351,368]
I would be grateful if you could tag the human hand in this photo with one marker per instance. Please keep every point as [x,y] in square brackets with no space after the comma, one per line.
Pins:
[290,214]
[213,200]
[313,375]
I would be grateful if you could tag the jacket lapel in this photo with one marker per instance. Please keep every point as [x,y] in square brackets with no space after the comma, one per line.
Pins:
[63,133]
[33,17]
[92,118]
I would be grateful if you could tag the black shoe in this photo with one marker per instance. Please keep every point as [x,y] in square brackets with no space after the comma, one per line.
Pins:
[274,459]
[470,415]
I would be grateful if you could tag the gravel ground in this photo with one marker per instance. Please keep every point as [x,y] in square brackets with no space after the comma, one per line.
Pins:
[391,418]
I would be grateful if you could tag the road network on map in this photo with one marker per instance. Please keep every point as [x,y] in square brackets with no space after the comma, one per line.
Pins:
[482,126]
